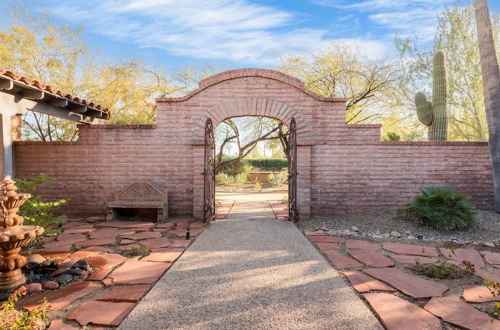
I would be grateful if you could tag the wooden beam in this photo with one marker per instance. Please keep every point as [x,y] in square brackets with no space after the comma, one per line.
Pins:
[32,94]
[78,108]
[6,85]
[60,103]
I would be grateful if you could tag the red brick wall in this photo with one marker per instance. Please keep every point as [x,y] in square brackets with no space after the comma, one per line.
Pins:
[342,168]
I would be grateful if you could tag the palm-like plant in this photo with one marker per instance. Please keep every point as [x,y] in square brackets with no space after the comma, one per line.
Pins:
[491,86]
[441,208]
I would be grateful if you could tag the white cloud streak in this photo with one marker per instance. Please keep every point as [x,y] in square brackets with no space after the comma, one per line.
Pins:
[234,30]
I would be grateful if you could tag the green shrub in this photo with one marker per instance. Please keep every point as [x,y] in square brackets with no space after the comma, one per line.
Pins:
[241,178]
[441,208]
[224,179]
[12,316]
[277,179]
[238,168]
[36,210]
[257,185]
[269,164]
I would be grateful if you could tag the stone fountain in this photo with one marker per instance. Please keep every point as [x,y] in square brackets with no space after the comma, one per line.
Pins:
[13,236]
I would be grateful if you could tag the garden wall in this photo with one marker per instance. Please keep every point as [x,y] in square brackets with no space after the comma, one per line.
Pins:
[342,168]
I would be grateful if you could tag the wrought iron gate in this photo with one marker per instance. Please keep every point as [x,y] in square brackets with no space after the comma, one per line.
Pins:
[209,173]
[293,214]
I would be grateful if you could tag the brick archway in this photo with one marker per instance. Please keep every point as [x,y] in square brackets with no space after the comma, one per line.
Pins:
[263,107]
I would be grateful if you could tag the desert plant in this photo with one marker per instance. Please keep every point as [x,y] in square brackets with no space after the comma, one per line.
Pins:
[391,136]
[257,185]
[137,250]
[433,113]
[269,164]
[276,179]
[241,178]
[224,179]
[441,208]
[38,211]
[13,318]
[443,269]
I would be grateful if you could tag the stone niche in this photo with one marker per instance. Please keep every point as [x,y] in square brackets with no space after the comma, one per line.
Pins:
[139,201]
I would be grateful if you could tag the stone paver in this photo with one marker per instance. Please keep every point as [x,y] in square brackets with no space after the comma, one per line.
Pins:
[470,255]
[129,293]
[250,271]
[164,255]
[408,259]
[364,283]
[105,261]
[138,272]
[95,242]
[59,325]
[341,261]
[100,313]
[478,294]
[125,225]
[360,244]
[397,314]
[491,257]
[326,239]
[109,233]
[156,243]
[61,298]
[411,285]
[141,236]
[416,250]
[451,309]
[371,258]
[327,246]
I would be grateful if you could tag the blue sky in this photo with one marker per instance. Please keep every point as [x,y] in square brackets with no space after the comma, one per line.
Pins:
[241,33]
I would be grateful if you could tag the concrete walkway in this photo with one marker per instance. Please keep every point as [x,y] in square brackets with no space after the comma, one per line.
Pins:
[250,271]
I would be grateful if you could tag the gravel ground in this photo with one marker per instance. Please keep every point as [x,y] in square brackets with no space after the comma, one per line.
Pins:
[250,271]
[487,228]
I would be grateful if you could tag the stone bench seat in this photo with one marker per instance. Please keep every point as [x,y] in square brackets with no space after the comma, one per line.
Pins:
[140,199]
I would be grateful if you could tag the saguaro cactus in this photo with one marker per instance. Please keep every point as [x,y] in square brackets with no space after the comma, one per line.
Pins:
[433,113]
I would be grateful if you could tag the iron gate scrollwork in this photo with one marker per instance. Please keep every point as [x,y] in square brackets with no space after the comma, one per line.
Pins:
[293,214]
[209,173]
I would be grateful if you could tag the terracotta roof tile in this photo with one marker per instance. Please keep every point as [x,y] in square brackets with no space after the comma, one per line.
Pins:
[39,85]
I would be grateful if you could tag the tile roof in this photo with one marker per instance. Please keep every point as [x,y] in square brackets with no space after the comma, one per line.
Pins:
[19,80]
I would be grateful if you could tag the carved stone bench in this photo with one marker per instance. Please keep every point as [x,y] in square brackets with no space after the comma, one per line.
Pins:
[139,200]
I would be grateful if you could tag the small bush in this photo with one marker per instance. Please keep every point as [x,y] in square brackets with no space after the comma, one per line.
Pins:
[269,164]
[277,179]
[13,318]
[36,210]
[441,208]
[238,168]
[241,178]
[223,179]
[257,185]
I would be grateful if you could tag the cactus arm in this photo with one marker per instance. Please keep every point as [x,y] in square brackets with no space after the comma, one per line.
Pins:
[424,109]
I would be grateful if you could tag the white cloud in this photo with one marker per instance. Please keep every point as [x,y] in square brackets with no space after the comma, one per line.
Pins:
[235,30]
[404,17]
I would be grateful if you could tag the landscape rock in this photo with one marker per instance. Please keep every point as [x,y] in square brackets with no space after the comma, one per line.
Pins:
[50,285]
[64,279]
[34,287]
[395,234]
[35,259]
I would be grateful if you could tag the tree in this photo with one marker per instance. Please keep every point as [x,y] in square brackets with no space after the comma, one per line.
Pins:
[34,47]
[236,138]
[455,35]
[491,83]
[343,72]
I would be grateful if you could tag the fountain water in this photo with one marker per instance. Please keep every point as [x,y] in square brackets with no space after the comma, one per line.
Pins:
[13,236]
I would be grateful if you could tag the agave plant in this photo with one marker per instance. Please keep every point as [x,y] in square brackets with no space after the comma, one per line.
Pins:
[441,208]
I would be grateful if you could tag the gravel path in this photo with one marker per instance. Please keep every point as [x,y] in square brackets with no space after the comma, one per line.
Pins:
[487,228]
[251,272]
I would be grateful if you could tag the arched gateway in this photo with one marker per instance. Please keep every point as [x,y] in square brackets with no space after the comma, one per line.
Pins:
[341,168]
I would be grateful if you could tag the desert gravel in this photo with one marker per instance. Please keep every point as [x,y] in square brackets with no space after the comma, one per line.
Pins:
[487,228]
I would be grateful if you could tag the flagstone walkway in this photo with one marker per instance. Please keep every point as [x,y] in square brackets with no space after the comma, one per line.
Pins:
[249,271]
